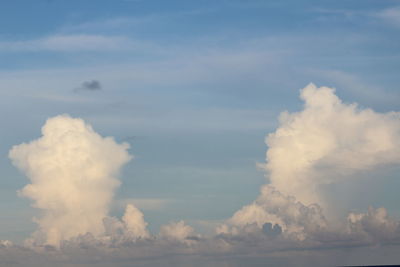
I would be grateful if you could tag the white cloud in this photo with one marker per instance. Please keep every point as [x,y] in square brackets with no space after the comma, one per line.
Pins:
[328,141]
[131,228]
[295,219]
[134,221]
[73,172]
[178,232]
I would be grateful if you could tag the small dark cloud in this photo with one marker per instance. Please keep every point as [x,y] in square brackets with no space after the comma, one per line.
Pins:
[92,85]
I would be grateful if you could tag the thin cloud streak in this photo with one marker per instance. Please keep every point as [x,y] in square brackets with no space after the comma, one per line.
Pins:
[75,43]
[390,15]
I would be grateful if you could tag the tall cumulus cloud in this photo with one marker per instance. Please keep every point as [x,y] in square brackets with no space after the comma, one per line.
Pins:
[73,173]
[326,142]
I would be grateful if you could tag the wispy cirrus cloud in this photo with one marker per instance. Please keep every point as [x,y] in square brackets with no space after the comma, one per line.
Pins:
[111,24]
[390,15]
[356,86]
[73,43]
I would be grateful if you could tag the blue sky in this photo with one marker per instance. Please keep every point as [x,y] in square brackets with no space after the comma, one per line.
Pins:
[193,86]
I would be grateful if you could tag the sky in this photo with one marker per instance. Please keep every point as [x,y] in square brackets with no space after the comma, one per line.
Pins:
[184,129]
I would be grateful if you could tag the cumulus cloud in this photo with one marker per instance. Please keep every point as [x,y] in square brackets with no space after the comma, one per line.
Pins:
[178,232]
[134,221]
[73,174]
[375,225]
[296,220]
[328,141]
[130,229]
